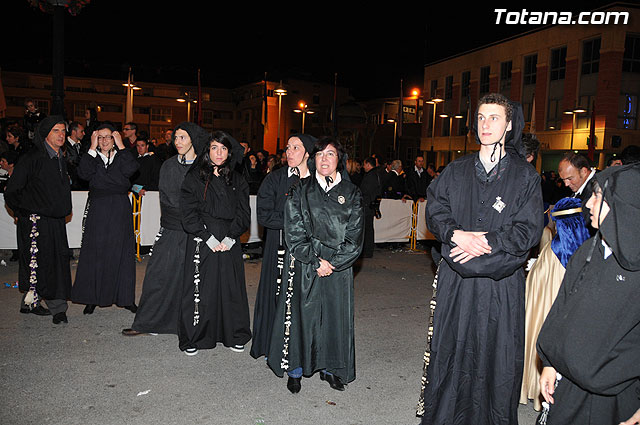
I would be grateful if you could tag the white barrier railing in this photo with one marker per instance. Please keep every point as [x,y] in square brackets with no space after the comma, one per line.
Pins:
[395,225]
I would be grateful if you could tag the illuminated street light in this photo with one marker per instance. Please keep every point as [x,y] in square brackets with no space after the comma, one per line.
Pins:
[304,110]
[434,101]
[451,118]
[280,91]
[574,112]
[189,100]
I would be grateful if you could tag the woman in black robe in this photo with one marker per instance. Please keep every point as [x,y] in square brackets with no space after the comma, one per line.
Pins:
[324,221]
[270,211]
[160,299]
[106,272]
[215,212]
[591,337]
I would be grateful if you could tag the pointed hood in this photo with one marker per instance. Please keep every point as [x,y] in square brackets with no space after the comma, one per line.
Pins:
[621,227]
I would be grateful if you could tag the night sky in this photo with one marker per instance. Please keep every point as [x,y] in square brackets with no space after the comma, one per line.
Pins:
[371,49]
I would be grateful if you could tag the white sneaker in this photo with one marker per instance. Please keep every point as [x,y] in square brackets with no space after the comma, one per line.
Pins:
[191,351]
[237,348]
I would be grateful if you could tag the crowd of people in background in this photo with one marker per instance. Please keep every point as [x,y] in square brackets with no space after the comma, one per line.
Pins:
[318,207]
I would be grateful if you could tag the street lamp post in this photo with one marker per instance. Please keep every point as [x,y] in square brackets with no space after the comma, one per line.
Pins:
[451,118]
[434,101]
[574,113]
[189,100]
[304,110]
[395,133]
[280,91]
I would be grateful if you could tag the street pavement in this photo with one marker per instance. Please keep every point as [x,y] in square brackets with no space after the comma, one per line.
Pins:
[86,372]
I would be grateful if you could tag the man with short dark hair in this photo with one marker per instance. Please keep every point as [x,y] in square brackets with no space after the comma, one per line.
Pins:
[485,208]
[130,131]
[418,180]
[39,194]
[531,147]
[371,191]
[575,171]
[148,175]
[72,153]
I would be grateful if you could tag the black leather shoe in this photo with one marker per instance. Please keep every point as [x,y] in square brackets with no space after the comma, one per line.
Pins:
[132,308]
[89,309]
[59,318]
[333,381]
[131,332]
[38,311]
[294,385]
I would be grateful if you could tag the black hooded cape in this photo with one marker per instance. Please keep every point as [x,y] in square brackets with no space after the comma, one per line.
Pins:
[159,307]
[106,272]
[270,211]
[592,333]
[477,346]
[40,185]
[313,327]
[213,303]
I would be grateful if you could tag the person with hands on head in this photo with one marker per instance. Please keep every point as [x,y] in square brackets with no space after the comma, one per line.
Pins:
[106,272]
[214,204]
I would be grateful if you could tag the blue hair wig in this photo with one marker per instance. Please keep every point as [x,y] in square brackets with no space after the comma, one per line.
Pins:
[571,229]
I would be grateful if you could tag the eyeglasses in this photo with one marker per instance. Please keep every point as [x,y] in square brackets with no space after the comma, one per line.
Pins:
[330,154]
[105,138]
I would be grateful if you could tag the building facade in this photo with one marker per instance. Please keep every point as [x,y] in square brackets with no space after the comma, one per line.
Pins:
[555,72]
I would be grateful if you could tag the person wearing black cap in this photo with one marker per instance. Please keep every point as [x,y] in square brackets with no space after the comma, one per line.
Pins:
[270,211]
[485,209]
[159,307]
[590,342]
[39,194]
[214,203]
[323,227]
[106,273]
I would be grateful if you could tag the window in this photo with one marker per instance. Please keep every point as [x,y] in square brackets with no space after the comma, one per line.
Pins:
[530,68]
[558,63]
[631,58]
[590,56]
[79,110]
[161,114]
[448,87]
[316,99]
[554,118]
[505,76]
[466,82]
[207,117]
[434,88]
[484,80]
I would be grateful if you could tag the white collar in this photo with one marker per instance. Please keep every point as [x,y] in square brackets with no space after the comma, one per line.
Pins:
[323,182]
[290,172]
[418,170]
[579,191]
[70,140]
[607,250]
[107,160]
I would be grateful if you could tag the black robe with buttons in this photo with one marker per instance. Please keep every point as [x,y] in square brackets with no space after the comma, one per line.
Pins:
[320,318]
[477,347]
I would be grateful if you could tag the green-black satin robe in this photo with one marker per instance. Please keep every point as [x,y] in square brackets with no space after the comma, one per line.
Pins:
[320,320]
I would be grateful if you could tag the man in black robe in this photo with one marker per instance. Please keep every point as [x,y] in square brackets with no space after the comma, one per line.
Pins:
[148,175]
[270,210]
[485,209]
[39,195]
[591,337]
